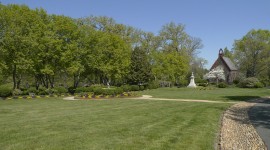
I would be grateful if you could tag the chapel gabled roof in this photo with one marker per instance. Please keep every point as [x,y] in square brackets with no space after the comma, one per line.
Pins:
[229,63]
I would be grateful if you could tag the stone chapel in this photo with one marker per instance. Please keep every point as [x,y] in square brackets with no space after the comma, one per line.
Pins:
[230,70]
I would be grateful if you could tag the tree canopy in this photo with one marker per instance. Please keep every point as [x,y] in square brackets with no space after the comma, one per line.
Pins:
[39,49]
[252,54]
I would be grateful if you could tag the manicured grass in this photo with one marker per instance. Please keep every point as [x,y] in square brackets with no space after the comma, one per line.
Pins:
[220,94]
[108,124]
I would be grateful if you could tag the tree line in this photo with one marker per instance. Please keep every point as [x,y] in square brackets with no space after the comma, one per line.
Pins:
[40,49]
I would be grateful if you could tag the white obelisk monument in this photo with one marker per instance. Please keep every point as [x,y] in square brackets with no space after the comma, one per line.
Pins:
[192,82]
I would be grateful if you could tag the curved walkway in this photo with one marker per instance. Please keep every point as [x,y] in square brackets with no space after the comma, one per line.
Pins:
[149,97]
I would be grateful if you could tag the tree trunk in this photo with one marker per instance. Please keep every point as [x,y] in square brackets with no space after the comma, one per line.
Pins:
[76,80]
[51,81]
[14,76]
[19,81]
[37,81]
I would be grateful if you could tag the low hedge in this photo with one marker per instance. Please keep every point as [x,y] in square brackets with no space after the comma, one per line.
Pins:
[134,88]
[107,91]
[84,89]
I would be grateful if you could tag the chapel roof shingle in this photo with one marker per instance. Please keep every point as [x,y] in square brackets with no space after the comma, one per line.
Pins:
[229,63]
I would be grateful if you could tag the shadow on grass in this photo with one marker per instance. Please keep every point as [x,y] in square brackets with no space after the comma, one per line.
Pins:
[241,98]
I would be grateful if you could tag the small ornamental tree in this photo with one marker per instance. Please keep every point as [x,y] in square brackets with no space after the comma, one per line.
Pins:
[215,74]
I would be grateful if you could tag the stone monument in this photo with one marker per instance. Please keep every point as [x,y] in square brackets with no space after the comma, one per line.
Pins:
[192,82]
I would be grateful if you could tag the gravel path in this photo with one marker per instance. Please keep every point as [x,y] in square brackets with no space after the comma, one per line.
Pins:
[149,97]
[237,132]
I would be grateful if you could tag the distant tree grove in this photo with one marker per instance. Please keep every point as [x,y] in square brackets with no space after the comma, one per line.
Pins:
[42,50]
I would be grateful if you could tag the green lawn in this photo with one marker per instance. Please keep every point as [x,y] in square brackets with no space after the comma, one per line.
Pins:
[220,94]
[108,124]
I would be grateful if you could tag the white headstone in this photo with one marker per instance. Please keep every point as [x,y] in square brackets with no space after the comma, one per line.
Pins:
[192,82]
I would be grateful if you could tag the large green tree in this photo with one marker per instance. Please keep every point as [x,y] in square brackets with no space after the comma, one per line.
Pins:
[174,38]
[170,66]
[140,69]
[18,27]
[252,54]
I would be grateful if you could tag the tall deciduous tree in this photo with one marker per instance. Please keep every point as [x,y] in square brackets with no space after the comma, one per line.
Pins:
[170,66]
[252,54]
[112,56]
[174,38]
[18,27]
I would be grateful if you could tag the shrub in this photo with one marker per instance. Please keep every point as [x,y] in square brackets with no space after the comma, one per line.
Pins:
[5,91]
[251,82]
[71,90]
[32,90]
[106,91]
[134,88]
[222,85]
[110,91]
[119,90]
[80,89]
[141,87]
[50,91]
[152,85]
[236,81]
[42,91]
[60,90]
[126,88]
[98,91]
[201,82]
[17,92]
[183,83]
[258,85]
[84,89]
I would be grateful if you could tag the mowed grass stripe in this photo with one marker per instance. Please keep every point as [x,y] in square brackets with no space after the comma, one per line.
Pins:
[201,93]
[108,124]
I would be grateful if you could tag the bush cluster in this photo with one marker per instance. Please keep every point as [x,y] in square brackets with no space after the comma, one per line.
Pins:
[251,82]
[96,90]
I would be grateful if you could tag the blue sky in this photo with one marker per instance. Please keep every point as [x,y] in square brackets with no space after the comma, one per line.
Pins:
[218,23]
